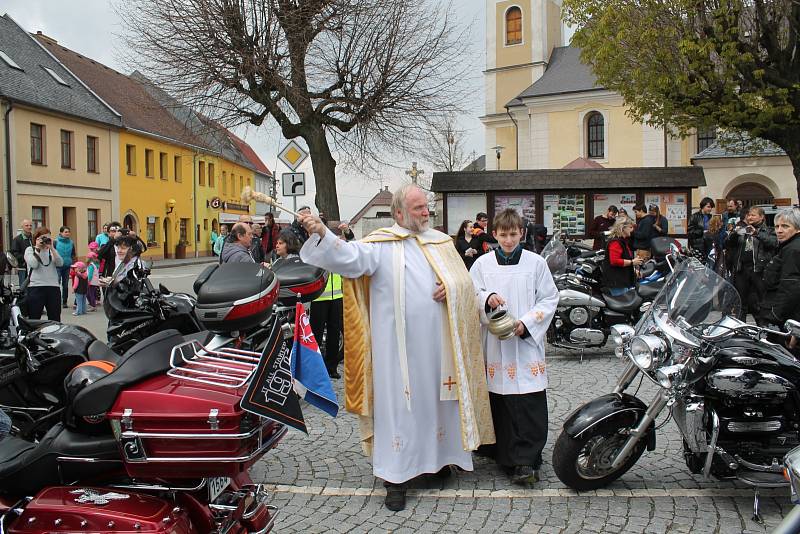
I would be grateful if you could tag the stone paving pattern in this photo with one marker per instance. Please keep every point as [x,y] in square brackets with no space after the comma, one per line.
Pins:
[323,483]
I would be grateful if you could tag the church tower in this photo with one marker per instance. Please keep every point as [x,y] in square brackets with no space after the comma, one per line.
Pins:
[520,37]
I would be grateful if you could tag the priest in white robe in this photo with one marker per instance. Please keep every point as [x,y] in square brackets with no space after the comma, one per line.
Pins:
[519,281]
[414,369]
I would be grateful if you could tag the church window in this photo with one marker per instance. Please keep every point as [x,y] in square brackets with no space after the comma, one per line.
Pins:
[595,129]
[513,26]
[705,138]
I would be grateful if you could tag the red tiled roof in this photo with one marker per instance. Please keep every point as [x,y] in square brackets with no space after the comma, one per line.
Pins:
[583,163]
[250,154]
[383,198]
[139,110]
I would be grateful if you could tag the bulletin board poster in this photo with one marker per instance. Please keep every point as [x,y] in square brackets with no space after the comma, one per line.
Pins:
[565,213]
[461,207]
[601,202]
[673,206]
[525,205]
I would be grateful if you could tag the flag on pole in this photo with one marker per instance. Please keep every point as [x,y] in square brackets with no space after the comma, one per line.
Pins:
[308,368]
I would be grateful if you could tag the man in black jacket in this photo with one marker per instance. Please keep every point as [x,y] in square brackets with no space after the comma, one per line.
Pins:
[752,247]
[297,228]
[644,233]
[18,245]
[698,226]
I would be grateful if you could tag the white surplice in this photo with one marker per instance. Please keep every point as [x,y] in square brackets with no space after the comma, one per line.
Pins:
[407,443]
[517,365]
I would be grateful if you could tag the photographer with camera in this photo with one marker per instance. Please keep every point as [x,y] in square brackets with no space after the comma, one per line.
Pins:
[43,290]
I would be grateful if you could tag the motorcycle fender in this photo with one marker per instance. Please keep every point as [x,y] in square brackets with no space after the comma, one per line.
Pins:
[621,409]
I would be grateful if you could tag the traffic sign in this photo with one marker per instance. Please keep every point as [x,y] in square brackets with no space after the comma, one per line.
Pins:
[293,155]
[294,184]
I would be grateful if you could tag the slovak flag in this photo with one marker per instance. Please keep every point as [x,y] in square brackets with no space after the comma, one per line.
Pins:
[308,368]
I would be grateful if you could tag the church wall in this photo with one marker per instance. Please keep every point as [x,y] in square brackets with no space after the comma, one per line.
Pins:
[554,35]
[540,141]
[722,175]
[505,137]
[508,84]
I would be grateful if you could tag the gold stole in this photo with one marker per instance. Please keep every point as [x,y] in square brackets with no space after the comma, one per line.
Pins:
[465,339]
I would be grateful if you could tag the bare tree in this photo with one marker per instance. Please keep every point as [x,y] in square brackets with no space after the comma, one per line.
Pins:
[355,75]
[445,143]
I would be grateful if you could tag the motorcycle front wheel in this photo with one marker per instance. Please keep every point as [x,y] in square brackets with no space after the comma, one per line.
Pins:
[584,463]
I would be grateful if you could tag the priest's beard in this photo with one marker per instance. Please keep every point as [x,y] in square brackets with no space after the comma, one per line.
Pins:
[415,224]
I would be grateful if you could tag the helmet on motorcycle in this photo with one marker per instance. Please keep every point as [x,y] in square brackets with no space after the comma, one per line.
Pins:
[86,373]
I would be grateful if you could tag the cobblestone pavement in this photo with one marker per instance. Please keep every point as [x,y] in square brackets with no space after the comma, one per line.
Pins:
[323,483]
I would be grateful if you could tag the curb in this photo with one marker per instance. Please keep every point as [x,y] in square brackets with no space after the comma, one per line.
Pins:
[184,263]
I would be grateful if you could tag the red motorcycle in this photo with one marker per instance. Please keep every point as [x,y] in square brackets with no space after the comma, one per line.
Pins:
[161,443]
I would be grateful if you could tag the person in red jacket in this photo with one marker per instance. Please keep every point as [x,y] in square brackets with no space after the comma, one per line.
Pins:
[269,234]
[619,273]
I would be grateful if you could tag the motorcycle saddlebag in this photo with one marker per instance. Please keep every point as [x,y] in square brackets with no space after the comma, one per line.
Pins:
[96,509]
[235,296]
[168,426]
[300,278]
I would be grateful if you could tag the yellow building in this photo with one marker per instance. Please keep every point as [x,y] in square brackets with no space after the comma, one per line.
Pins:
[58,139]
[171,164]
[545,110]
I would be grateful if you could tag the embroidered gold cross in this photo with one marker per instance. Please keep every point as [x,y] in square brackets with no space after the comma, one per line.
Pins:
[539,316]
[449,383]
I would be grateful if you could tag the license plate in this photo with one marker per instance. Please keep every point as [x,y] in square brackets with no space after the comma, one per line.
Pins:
[216,486]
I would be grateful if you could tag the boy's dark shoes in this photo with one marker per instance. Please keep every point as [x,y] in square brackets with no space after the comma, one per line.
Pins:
[395,497]
[444,473]
[334,374]
[524,475]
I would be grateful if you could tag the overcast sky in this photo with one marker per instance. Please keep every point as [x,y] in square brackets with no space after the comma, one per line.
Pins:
[89,28]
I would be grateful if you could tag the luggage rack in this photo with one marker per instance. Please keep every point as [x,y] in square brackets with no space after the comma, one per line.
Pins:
[223,367]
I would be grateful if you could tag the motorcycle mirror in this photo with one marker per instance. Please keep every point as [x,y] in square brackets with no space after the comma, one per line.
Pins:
[793,327]
[12,260]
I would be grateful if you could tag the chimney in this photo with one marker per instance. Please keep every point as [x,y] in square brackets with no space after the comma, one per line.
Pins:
[47,38]
[385,187]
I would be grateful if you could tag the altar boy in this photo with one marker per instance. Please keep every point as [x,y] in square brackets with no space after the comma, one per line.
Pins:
[519,281]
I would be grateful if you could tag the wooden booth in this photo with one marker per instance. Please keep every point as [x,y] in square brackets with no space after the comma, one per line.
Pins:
[568,199]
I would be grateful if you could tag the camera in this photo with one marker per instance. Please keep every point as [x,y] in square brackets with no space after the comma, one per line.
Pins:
[46,240]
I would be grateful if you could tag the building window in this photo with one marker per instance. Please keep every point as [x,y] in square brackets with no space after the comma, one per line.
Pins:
[177,169]
[595,135]
[163,170]
[210,175]
[205,224]
[248,183]
[37,144]
[92,145]
[513,26]
[705,138]
[149,161]
[38,216]
[183,226]
[201,173]
[233,185]
[130,159]
[92,215]
[151,231]
[241,183]
[66,149]
[224,183]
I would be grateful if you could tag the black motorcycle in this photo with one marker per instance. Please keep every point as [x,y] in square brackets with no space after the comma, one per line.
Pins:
[136,310]
[732,392]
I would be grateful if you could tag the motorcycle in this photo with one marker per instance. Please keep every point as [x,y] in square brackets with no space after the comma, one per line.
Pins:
[791,521]
[161,443]
[732,392]
[586,310]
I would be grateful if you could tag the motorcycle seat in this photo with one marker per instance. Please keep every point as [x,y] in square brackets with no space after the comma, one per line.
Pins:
[649,291]
[25,467]
[147,358]
[100,351]
[32,324]
[628,302]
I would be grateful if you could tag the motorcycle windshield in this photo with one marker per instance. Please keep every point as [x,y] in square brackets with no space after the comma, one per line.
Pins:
[555,254]
[694,297]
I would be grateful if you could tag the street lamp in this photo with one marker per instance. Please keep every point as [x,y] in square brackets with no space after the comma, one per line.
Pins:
[497,150]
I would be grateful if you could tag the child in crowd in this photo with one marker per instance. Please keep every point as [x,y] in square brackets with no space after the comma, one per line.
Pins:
[519,281]
[80,286]
[93,276]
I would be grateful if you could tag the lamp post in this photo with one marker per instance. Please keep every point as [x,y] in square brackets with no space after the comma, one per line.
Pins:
[497,150]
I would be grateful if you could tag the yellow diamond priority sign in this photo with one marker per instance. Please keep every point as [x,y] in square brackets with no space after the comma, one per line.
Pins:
[293,155]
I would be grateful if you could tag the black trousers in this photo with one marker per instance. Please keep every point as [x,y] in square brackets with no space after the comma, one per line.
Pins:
[41,297]
[520,424]
[327,314]
[750,286]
